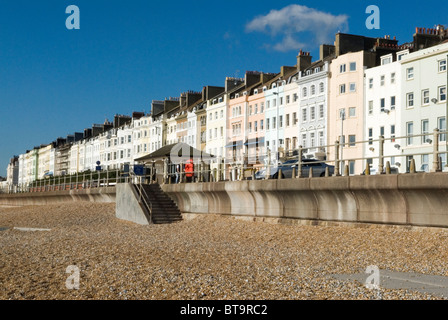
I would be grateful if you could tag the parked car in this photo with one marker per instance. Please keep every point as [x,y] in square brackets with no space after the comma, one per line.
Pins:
[374,171]
[287,168]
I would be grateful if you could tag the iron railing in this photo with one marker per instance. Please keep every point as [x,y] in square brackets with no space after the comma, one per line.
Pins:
[239,168]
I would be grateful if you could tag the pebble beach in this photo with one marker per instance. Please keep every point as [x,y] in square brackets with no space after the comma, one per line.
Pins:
[208,257]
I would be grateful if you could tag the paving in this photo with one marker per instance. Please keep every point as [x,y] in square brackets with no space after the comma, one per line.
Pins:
[31,229]
[426,284]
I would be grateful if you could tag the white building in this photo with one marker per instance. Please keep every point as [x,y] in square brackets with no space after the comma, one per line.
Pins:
[217,124]
[292,112]
[192,128]
[22,169]
[74,157]
[43,163]
[140,133]
[274,117]
[383,109]
[424,99]
[312,111]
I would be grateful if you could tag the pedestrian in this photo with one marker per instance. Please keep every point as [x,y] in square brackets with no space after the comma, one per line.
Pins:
[189,170]
[177,173]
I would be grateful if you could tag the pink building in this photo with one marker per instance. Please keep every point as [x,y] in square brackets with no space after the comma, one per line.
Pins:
[346,107]
[255,146]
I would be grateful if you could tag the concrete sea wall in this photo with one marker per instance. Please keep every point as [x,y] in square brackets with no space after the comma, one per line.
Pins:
[411,199]
[405,199]
[42,198]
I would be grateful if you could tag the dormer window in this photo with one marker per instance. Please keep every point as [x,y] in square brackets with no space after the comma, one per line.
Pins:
[402,54]
[386,59]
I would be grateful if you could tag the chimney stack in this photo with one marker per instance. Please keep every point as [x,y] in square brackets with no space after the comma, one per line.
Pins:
[303,60]
[326,50]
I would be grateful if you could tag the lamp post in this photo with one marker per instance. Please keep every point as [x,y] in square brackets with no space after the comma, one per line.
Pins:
[342,115]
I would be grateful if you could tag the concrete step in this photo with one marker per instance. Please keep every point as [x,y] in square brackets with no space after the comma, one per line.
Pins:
[164,209]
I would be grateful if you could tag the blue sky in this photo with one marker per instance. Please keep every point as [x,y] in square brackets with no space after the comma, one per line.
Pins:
[55,81]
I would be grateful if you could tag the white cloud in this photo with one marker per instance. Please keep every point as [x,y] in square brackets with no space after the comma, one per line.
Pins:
[295,19]
[288,43]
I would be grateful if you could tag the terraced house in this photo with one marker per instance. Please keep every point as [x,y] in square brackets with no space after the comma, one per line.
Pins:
[360,89]
[383,109]
[353,54]
[310,117]
[216,123]
[255,147]
[424,95]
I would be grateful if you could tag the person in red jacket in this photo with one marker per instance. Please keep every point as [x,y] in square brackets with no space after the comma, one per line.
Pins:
[189,170]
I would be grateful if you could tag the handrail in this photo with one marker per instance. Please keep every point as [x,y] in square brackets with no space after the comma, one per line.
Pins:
[142,193]
[378,149]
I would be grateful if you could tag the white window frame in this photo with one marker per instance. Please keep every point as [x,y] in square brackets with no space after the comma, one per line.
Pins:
[425,131]
[304,115]
[440,95]
[410,140]
[425,97]
[393,105]
[352,112]
[351,66]
[442,65]
[410,73]
[409,100]
[353,87]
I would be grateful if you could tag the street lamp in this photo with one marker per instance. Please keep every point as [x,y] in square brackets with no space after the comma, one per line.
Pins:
[342,116]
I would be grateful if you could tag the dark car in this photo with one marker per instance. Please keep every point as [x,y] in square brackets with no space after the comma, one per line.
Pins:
[287,169]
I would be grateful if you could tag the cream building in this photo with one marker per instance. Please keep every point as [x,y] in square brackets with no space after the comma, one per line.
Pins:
[44,161]
[346,107]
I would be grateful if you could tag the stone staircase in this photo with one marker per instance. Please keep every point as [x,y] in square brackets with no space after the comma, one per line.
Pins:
[164,209]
